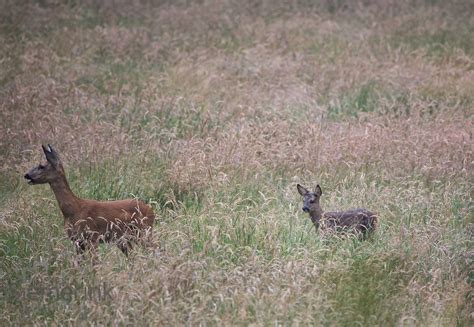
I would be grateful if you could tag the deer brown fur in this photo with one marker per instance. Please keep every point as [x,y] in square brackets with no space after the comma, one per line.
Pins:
[358,221]
[89,222]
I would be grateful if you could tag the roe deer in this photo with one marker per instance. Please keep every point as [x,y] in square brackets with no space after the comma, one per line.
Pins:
[357,221]
[90,222]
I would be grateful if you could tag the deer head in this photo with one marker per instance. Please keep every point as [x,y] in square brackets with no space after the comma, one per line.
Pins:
[310,199]
[47,172]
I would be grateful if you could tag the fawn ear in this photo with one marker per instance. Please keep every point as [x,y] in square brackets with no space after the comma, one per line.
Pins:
[318,191]
[51,155]
[301,190]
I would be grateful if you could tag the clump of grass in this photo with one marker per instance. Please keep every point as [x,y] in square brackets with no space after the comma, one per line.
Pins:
[365,99]
[212,112]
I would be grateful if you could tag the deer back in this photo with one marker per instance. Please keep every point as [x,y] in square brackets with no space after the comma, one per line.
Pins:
[360,220]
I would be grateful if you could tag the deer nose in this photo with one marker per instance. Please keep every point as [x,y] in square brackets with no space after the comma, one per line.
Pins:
[305,209]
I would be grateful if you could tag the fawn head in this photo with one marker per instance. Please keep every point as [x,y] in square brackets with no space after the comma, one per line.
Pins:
[48,172]
[310,199]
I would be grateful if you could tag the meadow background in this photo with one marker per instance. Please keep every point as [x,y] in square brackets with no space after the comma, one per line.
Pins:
[212,111]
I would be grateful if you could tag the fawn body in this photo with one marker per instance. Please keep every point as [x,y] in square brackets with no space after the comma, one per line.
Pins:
[358,221]
[89,222]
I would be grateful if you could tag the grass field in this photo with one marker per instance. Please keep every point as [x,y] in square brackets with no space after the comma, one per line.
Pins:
[212,111]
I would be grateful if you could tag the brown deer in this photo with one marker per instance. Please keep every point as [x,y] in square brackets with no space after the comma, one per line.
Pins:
[90,222]
[357,221]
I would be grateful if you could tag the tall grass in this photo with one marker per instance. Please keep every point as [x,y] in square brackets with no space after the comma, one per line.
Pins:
[212,112]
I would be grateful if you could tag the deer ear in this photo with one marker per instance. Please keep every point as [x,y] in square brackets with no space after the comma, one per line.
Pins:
[301,190]
[51,155]
[318,191]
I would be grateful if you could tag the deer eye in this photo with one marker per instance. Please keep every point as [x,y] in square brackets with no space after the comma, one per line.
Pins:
[41,167]
[311,201]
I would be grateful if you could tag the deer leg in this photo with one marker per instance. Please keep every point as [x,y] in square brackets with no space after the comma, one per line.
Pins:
[125,246]
[81,247]
[94,252]
[84,247]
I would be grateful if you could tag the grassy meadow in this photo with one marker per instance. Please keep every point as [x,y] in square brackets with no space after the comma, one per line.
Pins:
[212,111]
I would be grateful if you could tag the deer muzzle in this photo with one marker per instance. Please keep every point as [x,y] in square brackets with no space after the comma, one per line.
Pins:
[29,179]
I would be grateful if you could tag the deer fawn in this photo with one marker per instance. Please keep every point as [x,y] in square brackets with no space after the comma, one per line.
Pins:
[357,221]
[90,222]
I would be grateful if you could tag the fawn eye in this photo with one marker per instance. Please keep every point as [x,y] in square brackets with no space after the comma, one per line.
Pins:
[311,201]
[41,167]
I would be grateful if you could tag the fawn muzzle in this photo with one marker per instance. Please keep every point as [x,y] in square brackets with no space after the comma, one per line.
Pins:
[28,178]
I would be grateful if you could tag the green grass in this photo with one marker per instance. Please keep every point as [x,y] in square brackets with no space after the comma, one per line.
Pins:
[438,44]
[212,112]
[362,100]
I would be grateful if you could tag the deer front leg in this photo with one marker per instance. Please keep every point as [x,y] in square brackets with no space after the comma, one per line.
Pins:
[85,249]
[81,247]
[125,246]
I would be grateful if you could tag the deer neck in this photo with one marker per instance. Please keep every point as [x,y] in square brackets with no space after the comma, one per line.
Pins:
[68,202]
[315,216]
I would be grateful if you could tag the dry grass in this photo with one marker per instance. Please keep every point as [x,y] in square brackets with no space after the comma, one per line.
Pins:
[213,111]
